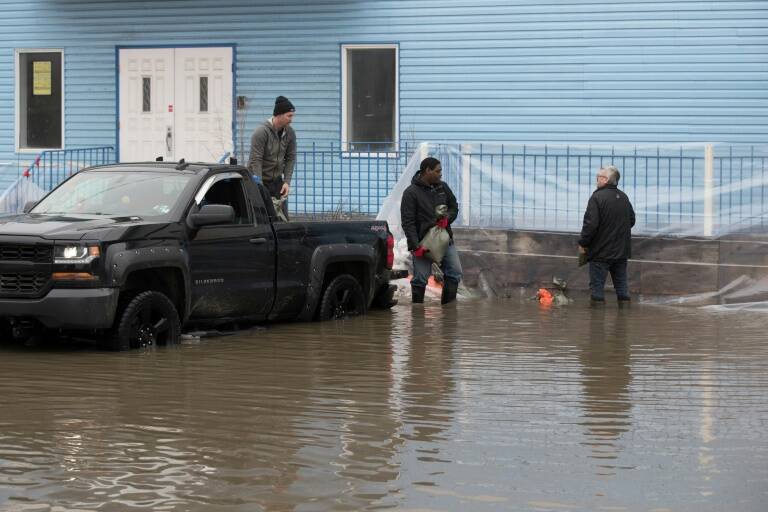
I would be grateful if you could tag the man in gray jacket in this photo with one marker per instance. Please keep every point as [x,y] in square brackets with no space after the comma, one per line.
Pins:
[273,151]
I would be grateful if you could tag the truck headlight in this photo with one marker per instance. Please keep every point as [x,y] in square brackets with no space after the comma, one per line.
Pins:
[67,254]
[75,262]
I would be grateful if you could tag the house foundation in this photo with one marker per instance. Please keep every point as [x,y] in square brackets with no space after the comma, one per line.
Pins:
[703,270]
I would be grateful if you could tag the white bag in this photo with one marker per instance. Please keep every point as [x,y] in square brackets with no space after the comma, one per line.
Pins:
[436,241]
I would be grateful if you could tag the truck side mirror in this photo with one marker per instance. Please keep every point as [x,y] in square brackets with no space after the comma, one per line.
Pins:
[211,214]
[28,206]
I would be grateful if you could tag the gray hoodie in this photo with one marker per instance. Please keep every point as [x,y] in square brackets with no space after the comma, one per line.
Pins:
[273,154]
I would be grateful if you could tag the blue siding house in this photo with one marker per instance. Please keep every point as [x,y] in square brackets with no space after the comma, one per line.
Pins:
[177,76]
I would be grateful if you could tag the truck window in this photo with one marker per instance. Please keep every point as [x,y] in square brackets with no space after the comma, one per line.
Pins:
[116,193]
[230,191]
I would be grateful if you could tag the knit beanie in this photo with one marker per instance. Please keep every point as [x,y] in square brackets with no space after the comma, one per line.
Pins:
[282,105]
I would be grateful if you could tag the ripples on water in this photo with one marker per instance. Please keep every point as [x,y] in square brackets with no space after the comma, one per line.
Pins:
[483,406]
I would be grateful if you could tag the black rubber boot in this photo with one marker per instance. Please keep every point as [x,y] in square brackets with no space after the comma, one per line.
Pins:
[449,290]
[417,294]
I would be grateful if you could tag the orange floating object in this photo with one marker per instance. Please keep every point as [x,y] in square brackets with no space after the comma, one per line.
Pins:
[545,296]
[433,283]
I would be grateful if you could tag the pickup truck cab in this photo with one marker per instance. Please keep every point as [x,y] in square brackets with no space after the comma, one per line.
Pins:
[134,252]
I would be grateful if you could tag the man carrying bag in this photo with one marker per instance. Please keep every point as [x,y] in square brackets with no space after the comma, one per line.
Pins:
[426,203]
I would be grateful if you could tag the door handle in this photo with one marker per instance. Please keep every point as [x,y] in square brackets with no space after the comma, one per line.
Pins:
[168,140]
[258,240]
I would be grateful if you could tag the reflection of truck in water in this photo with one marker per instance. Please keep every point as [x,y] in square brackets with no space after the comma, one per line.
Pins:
[133,252]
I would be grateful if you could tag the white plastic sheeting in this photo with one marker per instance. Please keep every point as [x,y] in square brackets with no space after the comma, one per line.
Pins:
[744,293]
[18,194]
[390,210]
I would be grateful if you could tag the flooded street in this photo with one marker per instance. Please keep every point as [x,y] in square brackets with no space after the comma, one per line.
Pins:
[489,405]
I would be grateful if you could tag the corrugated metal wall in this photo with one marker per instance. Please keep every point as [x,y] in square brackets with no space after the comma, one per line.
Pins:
[562,71]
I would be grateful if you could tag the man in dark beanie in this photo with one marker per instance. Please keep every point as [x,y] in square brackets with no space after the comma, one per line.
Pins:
[273,151]
[428,202]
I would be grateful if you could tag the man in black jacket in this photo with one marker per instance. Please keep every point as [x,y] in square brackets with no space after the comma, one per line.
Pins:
[418,212]
[605,235]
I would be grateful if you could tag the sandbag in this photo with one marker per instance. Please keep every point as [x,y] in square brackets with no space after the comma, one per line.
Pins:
[278,204]
[436,241]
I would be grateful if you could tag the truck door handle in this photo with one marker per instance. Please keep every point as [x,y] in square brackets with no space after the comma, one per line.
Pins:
[258,240]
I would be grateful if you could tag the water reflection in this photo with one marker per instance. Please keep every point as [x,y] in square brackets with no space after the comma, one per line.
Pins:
[606,377]
[483,406]
[428,375]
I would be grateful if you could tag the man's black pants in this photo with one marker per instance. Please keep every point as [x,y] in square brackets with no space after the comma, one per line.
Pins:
[598,272]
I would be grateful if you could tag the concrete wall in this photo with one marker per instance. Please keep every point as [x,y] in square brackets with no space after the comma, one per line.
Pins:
[503,261]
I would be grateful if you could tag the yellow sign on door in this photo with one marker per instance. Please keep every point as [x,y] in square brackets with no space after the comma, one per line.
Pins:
[41,78]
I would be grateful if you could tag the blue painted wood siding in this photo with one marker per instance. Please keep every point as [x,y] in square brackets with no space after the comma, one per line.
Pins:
[565,71]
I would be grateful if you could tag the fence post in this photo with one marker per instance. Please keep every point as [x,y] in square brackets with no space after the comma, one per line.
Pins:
[466,184]
[709,189]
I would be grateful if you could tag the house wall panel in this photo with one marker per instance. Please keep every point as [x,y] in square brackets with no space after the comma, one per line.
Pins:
[568,71]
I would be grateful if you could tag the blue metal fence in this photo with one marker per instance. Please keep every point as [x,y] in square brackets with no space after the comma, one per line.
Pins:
[331,180]
[516,186]
[741,176]
[51,167]
[547,187]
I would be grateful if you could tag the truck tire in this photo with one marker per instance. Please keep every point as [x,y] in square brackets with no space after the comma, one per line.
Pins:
[6,331]
[342,297]
[148,318]
[385,297]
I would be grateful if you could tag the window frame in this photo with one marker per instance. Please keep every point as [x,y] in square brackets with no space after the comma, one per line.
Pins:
[345,128]
[17,105]
[211,181]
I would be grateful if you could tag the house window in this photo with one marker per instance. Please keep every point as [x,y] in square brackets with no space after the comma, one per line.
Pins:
[39,98]
[369,97]
[203,94]
[146,94]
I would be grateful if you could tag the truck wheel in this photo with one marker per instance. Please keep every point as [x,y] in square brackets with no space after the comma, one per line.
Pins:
[6,331]
[149,318]
[342,297]
[385,297]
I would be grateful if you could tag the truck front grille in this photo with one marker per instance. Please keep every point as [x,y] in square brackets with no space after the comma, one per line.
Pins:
[23,282]
[34,253]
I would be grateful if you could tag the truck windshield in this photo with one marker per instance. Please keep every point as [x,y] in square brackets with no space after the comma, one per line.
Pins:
[116,194]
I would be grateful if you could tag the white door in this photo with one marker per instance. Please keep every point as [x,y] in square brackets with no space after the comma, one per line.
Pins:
[175,103]
[146,91]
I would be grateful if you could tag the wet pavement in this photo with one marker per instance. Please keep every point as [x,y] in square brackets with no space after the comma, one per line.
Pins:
[488,405]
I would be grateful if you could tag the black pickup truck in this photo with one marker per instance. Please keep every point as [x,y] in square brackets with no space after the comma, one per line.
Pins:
[131,253]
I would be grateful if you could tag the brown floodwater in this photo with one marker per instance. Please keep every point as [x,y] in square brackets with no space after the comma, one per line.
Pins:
[486,405]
